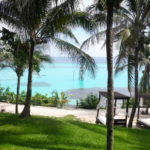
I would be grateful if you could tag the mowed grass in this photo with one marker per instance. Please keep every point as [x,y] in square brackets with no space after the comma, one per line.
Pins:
[39,132]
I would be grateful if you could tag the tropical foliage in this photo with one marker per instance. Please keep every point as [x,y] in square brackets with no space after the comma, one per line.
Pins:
[133,37]
[90,102]
[15,55]
[61,100]
[45,21]
[38,20]
[54,100]
[103,12]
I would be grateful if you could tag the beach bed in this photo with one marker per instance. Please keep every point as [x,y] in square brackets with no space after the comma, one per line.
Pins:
[143,120]
[119,120]
[143,123]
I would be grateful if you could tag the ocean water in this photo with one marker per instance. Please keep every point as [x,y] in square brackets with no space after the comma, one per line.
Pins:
[62,75]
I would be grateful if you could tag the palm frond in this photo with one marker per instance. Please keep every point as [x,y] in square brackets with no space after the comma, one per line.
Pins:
[132,6]
[95,38]
[130,73]
[40,57]
[144,82]
[76,54]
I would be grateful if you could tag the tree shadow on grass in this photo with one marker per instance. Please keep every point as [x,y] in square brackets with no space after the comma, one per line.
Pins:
[38,133]
[133,139]
[98,129]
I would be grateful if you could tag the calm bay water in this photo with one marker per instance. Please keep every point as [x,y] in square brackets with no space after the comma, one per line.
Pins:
[62,75]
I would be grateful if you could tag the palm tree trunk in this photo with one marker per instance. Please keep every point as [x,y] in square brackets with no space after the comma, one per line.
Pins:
[26,110]
[110,87]
[18,92]
[136,99]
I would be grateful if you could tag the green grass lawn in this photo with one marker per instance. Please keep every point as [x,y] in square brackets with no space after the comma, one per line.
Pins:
[67,133]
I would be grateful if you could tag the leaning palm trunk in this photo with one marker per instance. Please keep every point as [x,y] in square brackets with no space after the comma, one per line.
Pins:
[110,88]
[26,110]
[18,92]
[136,100]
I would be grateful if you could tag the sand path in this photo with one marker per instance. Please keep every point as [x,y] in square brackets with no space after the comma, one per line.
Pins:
[82,114]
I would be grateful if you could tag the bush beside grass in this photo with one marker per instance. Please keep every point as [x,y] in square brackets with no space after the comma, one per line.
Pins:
[90,102]
[66,133]
[38,99]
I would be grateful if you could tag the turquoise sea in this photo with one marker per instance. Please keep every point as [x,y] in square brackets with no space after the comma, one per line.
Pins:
[62,75]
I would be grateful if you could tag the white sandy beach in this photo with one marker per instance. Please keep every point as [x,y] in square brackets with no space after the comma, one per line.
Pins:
[82,114]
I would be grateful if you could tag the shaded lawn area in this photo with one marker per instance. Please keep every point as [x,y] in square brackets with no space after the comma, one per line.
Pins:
[39,132]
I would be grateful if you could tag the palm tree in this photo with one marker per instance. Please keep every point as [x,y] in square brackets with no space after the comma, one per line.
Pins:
[15,56]
[43,22]
[103,12]
[60,100]
[145,79]
[131,28]
[110,85]
[132,39]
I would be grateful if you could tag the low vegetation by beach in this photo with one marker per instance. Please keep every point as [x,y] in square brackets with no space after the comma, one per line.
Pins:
[39,132]
[54,99]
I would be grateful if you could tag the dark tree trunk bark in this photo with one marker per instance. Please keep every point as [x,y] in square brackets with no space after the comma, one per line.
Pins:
[110,86]
[26,110]
[136,99]
[18,92]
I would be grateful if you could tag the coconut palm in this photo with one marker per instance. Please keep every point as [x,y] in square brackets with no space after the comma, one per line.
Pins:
[61,100]
[43,21]
[103,13]
[15,56]
[133,20]
[145,79]
[136,15]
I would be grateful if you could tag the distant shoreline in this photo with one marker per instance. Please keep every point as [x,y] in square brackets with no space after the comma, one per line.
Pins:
[69,60]
[83,92]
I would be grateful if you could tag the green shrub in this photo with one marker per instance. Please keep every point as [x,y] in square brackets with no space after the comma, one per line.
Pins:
[39,99]
[131,100]
[90,102]
[6,95]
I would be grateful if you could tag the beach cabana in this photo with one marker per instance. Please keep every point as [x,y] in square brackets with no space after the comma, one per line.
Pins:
[143,119]
[122,121]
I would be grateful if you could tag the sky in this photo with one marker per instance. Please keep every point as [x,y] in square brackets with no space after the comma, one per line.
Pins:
[96,50]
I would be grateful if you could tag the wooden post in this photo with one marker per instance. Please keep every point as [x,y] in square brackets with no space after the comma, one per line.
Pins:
[98,108]
[99,96]
[127,111]
[138,115]
[76,103]
[123,104]
[97,117]
[115,107]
